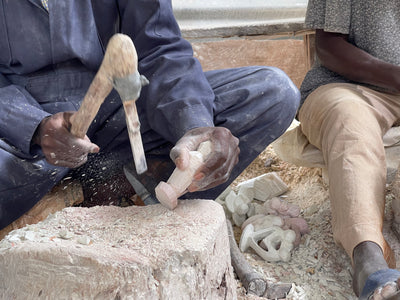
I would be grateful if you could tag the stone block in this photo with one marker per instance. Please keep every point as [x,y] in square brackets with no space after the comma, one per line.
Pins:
[111,252]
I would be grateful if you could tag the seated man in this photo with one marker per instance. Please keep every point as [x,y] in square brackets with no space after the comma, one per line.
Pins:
[48,58]
[350,98]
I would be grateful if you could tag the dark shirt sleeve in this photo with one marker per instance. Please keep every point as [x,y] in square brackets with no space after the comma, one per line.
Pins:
[179,97]
[329,15]
[20,115]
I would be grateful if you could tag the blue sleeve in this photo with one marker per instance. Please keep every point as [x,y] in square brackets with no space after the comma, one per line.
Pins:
[179,97]
[20,115]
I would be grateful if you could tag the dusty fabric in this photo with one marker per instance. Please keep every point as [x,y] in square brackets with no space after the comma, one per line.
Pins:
[66,48]
[372,26]
[347,122]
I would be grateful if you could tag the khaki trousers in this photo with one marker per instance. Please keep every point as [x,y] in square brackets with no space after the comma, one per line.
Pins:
[347,122]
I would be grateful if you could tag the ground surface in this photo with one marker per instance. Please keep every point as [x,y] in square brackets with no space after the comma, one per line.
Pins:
[319,269]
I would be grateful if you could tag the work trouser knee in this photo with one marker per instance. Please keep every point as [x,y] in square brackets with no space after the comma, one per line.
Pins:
[24,180]
[257,104]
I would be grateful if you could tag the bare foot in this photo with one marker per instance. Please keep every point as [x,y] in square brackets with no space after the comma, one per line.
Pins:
[372,276]
[389,291]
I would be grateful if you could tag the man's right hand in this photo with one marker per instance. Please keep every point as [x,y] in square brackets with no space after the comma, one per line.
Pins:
[59,146]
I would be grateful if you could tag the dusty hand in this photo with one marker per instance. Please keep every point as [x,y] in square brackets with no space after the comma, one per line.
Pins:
[218,165]
[59,146]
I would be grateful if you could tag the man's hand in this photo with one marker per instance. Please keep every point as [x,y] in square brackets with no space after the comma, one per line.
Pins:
[218,165]
[59,146]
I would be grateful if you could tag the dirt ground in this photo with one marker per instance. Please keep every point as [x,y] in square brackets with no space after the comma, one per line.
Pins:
[319,269]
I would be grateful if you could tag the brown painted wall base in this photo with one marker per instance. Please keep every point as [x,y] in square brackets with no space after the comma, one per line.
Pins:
[290,55]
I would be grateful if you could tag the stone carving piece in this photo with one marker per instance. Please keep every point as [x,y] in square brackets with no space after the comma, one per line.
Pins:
[265,186]
[276,206]
[278,243]
[263,221]
[299,226]
[247,191]
[238,219]
[237,203]
[252,210]
[278,219]
[238,206]
[169,192]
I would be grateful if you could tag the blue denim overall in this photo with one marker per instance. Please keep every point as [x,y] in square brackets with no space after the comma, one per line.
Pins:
[257,104]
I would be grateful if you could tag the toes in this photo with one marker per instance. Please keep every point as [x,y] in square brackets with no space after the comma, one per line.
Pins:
[386,292]
[389,290]
[383,284]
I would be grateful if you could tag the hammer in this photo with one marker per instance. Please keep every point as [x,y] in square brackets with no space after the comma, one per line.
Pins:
[118,70]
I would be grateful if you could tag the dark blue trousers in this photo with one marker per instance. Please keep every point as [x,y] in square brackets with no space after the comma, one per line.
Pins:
[257,104]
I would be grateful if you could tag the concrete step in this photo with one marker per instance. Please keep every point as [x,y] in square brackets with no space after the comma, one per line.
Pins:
[236,17]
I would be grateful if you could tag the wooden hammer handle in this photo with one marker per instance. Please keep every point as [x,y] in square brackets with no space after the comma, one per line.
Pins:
[133,126]
[99,89]
[120,61]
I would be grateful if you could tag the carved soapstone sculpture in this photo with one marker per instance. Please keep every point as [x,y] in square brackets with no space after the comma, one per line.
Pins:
[169,192]
[278,243]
